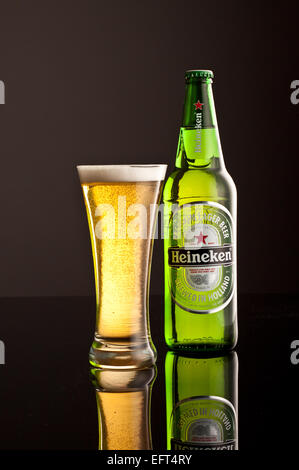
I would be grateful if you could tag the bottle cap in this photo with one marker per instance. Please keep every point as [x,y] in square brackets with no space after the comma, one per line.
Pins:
[199,75]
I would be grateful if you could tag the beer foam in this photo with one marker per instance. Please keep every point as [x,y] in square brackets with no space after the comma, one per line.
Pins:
[118,173]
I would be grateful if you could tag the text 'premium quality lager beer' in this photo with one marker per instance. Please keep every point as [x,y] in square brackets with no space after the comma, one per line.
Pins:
[200,222]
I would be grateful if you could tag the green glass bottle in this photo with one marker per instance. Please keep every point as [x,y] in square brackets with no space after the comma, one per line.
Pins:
[201,401]
[200,231]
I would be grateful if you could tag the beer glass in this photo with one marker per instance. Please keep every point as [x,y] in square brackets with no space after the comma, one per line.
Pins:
[201,401]
[121,203]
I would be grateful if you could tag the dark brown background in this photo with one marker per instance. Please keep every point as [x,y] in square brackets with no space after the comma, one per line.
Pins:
[103,82]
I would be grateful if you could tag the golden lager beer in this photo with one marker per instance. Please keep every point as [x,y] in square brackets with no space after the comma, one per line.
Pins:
[123,403]
[121,203]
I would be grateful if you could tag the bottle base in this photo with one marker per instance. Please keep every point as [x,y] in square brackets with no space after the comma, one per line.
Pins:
[114,355]
[201,347]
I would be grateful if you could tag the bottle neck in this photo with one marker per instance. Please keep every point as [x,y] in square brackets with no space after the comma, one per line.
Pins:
[199,143]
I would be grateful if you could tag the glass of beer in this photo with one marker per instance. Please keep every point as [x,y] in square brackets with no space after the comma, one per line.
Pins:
[122,204]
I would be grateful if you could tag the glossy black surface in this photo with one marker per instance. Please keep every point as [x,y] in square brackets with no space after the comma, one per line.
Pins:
[47,400]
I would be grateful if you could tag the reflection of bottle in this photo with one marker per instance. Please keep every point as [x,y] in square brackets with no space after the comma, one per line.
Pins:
[201,402]
[123,402]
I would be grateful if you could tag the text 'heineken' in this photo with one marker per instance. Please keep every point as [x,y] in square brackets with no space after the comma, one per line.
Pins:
[200,206]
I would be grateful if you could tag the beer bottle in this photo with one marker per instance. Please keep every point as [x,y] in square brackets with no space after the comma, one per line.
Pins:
[123,403]
[200,231]
[201,401]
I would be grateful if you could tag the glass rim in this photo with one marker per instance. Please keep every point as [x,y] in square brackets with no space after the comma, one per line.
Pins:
[123,172]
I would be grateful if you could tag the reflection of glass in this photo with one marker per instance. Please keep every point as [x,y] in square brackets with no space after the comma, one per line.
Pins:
[121,203]
[123,401]
[202,401]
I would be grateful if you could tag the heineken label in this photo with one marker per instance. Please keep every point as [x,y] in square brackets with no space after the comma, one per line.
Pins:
[201,257]
[204,423]
[200,143]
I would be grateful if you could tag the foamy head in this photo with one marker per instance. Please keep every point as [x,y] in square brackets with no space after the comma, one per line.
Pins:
[117,173]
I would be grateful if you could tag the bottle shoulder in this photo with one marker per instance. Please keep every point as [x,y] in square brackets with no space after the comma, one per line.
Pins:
[199,183]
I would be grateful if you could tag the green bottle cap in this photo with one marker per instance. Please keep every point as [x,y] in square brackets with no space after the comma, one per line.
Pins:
[199,75]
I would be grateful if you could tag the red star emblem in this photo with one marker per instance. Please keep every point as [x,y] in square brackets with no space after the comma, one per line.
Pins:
[201,238]
[198,105]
